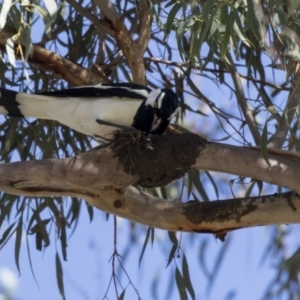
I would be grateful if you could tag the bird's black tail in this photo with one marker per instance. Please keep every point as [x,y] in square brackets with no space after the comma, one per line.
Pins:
[21,105]
[8,103]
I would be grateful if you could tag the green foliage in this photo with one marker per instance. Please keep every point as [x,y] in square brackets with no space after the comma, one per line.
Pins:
[228,25]
[194,41]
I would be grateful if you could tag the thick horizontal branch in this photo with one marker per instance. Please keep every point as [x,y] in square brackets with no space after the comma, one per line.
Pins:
[54,63]
[216,217]
[284,168]
[99,178]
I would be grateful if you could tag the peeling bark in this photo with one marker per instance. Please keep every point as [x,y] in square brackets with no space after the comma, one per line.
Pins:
[57,65]
[100,179]
[133,50]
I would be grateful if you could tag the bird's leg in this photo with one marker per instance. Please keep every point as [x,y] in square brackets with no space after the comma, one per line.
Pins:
[101,122]
[101,139]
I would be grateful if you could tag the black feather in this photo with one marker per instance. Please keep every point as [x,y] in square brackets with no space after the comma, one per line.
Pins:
[120,90]
[9,102]
[155,119]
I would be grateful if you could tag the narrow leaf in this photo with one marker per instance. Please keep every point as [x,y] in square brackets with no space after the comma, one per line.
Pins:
[294,259]
[38,241]
[225,42]
[152,236]
[19,231]
[6,233]
[194,176]
[63,239]
[145,244]
[52,8]
[26,39]
[171,16]
[172,237]
[10,50]
[218,263]
[121,297]
[91,212]
[30,261]
[238,28]
[180,285]
[43,13]
[5,211]
[186,277]
[59,276]
[15,16]
[213,183]
[264,142]
[171,255]
[4,12]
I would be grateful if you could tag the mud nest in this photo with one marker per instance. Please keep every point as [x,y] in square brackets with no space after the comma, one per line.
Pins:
[156,160]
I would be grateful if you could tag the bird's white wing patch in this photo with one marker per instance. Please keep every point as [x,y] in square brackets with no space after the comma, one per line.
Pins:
[81,114]
[153,97]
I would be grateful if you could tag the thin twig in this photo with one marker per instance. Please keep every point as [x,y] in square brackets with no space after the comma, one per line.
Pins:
[100,58]
[114,278]
[108,11]
[54,63]
[286,119]
[114,256]
[188,65]
[124,41]
[100,24]
[242,100]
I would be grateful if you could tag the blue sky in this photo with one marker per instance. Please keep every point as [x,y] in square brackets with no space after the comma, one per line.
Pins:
[87,272]
[88,269]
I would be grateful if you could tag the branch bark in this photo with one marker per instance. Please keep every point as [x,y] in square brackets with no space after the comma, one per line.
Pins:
[108,11]
[279,137]
[99,24]
[133,50]
[242,100]
[99,178]
[57,65]
[113,24]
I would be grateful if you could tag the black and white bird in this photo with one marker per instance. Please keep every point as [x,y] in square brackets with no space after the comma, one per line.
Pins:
[97,110]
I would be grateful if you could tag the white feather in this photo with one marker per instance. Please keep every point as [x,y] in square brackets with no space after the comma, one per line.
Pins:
[80,113]
[152,98]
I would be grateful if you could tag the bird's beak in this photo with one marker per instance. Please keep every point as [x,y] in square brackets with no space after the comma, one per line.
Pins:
[174,114]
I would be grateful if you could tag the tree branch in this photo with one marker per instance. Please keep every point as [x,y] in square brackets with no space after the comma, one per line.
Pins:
[286,119]
[108,11]
[99,24]
[57,65]
[212,70]
[283,171]
[145,20]
[99,178]
[133,50]
[213,217]
[242,100]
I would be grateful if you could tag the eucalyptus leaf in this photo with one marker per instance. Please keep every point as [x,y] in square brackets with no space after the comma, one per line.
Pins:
[4,12]
[10,50]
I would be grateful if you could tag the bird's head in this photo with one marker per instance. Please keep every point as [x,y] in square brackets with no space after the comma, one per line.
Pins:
[164,105]
[168,105]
